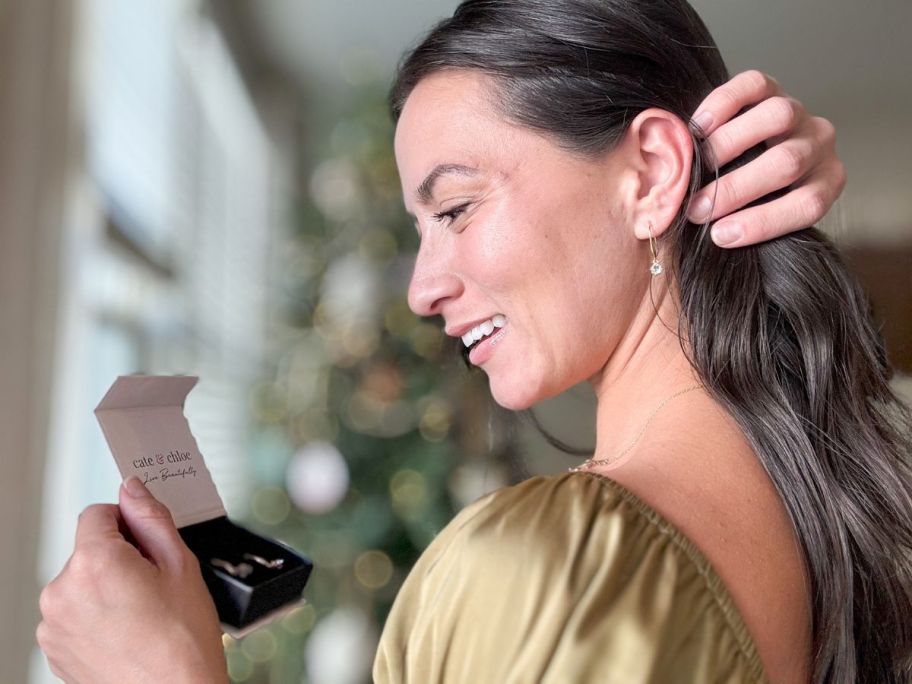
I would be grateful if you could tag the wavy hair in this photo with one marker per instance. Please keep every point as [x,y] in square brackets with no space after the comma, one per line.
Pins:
[780,333]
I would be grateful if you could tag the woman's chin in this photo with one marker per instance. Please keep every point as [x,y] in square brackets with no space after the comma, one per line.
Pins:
[512,397]
[512,405]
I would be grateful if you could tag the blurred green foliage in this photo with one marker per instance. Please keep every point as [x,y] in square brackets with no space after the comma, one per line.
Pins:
[357,377]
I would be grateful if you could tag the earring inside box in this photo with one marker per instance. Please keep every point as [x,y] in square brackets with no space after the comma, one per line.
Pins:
[250,577]
[242,600]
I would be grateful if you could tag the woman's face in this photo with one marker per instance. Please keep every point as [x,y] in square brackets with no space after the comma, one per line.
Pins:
[518,232]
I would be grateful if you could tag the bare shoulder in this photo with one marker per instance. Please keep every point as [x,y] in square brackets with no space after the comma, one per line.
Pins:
[697,469]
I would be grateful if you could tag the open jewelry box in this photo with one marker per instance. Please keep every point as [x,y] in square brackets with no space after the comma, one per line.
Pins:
[252,579]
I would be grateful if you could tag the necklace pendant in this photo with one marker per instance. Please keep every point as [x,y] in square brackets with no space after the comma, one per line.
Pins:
[581,467]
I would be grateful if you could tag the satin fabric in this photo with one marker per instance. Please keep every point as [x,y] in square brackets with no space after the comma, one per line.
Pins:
[564,578]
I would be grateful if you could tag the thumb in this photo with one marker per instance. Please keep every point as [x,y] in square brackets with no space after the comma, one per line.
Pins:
[150,523]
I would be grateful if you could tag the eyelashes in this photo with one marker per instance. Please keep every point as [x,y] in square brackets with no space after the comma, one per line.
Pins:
[452,214]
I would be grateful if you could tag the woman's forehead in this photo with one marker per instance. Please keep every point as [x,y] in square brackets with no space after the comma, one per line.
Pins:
[449,119]
[450,108]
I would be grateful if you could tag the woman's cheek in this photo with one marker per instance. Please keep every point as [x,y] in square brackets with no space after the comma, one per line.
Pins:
[503,248]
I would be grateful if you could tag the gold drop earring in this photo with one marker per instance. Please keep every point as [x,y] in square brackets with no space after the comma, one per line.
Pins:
[655,267]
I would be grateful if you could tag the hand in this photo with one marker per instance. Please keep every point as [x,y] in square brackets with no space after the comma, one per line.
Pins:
[801,155]
[118,614]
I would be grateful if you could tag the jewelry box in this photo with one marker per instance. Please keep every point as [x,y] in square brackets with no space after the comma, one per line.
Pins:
[251,578]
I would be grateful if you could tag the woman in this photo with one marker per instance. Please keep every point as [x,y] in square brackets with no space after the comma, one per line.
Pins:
[543,151]
[747,513]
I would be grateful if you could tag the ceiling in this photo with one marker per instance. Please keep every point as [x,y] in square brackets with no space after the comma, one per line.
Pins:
[846,60]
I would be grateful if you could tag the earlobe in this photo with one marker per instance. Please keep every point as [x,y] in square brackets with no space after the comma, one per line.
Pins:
[662,150]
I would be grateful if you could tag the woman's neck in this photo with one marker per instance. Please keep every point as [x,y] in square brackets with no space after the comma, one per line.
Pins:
[647,369]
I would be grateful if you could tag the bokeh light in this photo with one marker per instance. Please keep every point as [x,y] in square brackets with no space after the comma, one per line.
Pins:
[317,477]
[373,569]
[259,646]
[436,419]
[300,620]
[408,490]
[270,505]
[240,668]
[340,648]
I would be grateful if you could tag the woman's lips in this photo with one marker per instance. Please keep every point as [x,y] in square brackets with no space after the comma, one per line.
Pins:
[482,351]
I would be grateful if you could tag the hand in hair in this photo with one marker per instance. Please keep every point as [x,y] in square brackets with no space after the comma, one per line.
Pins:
[801,155]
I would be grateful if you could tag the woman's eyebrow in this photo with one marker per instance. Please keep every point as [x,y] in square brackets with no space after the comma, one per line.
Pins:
[425,191]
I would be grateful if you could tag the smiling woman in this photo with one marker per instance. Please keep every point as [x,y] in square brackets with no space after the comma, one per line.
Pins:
[746,514]
[746,432]
[535,224]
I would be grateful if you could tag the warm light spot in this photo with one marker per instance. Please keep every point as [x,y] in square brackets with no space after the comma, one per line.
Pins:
[260,646]
[408,490]
[435,420]
[270,505]
[300,620]
[373,569]
[239,666]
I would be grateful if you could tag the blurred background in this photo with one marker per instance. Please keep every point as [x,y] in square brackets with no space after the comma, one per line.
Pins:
[207,187]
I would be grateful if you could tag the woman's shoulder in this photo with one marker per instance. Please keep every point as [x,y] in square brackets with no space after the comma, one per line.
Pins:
[572,575]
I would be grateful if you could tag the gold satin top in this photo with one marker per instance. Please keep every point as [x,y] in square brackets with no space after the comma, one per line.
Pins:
[566,578]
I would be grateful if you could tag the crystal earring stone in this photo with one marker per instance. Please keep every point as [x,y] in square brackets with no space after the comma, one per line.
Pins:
[656,268]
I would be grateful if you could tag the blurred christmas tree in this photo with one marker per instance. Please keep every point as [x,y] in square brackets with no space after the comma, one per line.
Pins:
[371,433]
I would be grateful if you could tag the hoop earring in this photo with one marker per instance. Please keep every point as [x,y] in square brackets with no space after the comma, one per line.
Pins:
[655,267]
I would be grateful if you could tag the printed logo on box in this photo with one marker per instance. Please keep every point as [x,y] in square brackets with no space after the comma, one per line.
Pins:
[175,456]
[143,422]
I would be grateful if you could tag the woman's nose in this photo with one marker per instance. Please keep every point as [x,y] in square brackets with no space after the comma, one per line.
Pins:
[431,286]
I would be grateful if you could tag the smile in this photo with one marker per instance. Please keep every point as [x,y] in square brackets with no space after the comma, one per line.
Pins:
[484,329]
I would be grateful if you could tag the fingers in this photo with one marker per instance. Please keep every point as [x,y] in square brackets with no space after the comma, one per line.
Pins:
[801,208]
[801,157]
[152,526]
[769,120]
[43,635]
[98,522]
[746,88]
[806,161]
[777,168]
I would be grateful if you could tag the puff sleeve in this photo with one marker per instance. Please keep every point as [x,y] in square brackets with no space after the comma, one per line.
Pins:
[566,578]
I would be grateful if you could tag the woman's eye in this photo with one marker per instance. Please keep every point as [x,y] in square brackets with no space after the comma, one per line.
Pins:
[451,214]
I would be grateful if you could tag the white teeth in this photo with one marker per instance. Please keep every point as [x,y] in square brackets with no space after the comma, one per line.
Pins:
[484,329]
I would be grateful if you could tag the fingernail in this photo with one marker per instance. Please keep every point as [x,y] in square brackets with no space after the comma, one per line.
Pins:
[726,233]
[136,488]
[700,209]
[703,120]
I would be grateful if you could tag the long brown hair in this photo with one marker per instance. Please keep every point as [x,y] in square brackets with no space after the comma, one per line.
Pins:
[780,333]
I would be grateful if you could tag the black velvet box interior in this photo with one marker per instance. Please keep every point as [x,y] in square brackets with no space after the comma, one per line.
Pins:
[242,600]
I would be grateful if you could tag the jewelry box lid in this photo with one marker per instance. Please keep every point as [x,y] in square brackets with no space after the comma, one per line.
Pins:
[142,418]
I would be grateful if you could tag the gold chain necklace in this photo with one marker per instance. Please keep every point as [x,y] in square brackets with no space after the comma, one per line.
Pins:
[599,461]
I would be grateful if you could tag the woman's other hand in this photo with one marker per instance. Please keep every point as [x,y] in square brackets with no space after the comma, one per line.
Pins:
[118,614]
[801,153]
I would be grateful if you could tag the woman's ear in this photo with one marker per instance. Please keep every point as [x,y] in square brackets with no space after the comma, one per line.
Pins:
[659,150]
